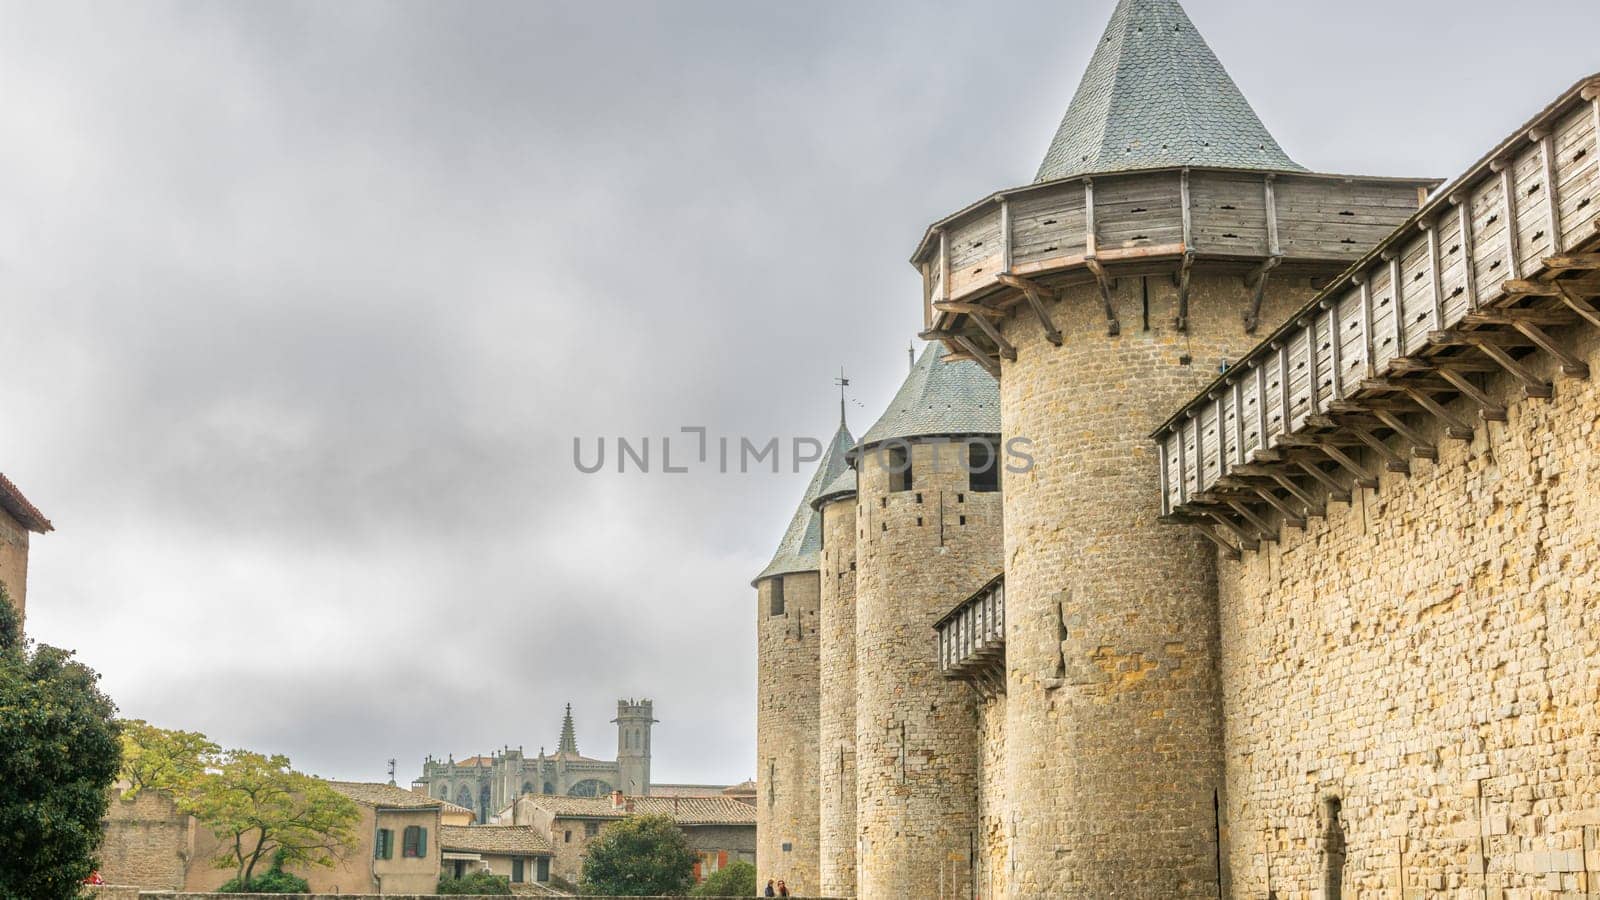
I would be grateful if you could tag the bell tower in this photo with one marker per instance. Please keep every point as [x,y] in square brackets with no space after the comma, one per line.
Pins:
[633,722]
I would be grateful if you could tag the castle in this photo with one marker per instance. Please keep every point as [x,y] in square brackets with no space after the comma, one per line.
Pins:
[1289,589]
[488,784]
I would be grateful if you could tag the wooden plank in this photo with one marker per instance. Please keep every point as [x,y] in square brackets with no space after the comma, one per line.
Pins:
[1001,344]
[1261,404]
[1166,476]
[1464,206]
[1508,198]
[1391,460]
[1336,331]
[1336,491]
[1365,284]
[978,356]
[1089,243]
[1453,427]
[1487,407]
[1397,293]
[1570,364]
[1552,187]
[1188,215]
[944,263]
[1421,447]
[1005,235]
[1271,205]
[1238,422]
[1034,293]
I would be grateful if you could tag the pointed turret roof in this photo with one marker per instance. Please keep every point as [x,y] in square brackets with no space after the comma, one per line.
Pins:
[837,489]
[939,398]
[569,735]
[1155,96]
[797,552]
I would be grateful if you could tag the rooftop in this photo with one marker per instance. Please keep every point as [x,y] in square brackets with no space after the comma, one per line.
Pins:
[1155,96]
[387,796]
[939,398]
[496,839]
[12,501]
[797,551]
[683,810]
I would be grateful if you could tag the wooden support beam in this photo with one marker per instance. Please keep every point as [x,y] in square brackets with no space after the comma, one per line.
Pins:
[1511,316]
[1335,349]
[1368,361]
[1397,298]
[1313,365]
[1336,491]
[1420,446]
[1453,427]
[1257,281]
[1361,476]
[978,355]
[970,309]
[1246,513]
[1181,321]
[1035,293]
[1228,549]
[1487,343]
[1261,405]
[1313,507]
[1487,407]
[1105,283]
[1290,517]
[1576,261]
[1005,234]
[1392,461]
[992,333]
[944,265]
[1578,305]
[1588,285]
[1571,365]
[1246,537]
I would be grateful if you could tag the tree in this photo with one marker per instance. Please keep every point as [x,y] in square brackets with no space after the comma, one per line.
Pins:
[639,856]
[260,809]
[162,760]
[475,883]
[59,755]
[736,880]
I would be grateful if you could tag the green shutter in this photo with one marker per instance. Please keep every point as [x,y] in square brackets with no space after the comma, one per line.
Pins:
[422,843]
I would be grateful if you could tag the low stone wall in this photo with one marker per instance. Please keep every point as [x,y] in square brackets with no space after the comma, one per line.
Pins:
[169,895]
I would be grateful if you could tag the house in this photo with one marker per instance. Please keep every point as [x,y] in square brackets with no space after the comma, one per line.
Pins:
[521,853]
[18,519]
[720,830]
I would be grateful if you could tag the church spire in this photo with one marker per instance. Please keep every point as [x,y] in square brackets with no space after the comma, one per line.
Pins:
[1154,97]
[569,735]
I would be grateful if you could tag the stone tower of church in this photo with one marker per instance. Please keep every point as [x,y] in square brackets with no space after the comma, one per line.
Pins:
[837,708]
[1164,224]
[928,534]
[633,722]
[788,689]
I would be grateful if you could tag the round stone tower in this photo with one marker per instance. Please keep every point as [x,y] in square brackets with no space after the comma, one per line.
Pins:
[1165,224]
[633,723]
[788,601]
[928,536]
[837,726]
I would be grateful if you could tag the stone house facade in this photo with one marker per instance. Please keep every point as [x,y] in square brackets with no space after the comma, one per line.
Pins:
[1294,595]
[18,520]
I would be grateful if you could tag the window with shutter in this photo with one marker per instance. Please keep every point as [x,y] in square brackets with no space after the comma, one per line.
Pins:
[383,844]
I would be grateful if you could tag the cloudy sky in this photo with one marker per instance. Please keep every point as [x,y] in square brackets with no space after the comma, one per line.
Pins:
[302,305]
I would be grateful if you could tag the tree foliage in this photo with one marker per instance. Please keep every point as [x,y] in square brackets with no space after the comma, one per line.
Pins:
[260,809]
[158,759]
[59,753]
[639,856]
[275,881]
[735,880]
[475,883]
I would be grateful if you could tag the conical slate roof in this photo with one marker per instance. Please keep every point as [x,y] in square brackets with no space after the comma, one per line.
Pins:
[843,486]
[569,735]
[937,398]
[797,552]
[1155,96]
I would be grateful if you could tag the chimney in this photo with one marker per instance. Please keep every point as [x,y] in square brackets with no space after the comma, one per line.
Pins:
[616,799]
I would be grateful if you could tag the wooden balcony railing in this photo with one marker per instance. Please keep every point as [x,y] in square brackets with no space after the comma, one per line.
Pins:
[1484,275]
[972,639]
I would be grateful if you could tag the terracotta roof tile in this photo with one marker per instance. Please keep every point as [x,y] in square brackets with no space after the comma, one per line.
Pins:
[12,501]
[683,810]
[508,839]
[384,795]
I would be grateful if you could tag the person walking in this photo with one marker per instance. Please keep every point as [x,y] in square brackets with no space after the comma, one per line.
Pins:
[770,892]
[783,889]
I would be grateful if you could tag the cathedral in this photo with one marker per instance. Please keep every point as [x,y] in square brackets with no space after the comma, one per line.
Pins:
[1237,534]
[488,784]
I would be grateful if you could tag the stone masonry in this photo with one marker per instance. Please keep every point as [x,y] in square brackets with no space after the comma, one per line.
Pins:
[787,739]
[919,552]
[837,724]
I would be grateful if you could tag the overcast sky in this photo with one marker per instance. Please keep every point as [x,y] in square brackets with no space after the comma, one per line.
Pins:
[301,306]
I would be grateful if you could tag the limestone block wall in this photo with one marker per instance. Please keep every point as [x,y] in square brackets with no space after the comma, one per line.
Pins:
[787,811]
[1429,656]
[147,843]
[14,561]
[993,822]
[837,744]
[919,553]
[1113,728]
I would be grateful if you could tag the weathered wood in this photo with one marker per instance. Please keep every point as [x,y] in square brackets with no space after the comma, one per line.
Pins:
[1336,491]
[1005,235]
[1397,289]
[1261,407]
[1468,267]
[1313,377]
[1238,422]
[1436,275]
[1187,213]
[1508,196]
[944,265]
[1257,281]
[1249,539]
[1453,427]
[1487,407]
[1570,364]
[993,334]
[1367,358]
[1513,316]
[1579,305]
[978,355]
[1584,261]
[970,309]
[1492,345]
[1035,293]
[1552,185]
[1361,476]
[1104,282]
[1312,505]
[1392,461]
[1229,551]
[1291,517]
[1181,321]
[1271,201]
[1266,531]
[1421,447]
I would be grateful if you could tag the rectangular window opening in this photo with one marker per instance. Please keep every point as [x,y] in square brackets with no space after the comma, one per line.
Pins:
[776,589]
[983,468]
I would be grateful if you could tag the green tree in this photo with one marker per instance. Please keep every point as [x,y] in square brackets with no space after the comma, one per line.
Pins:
[59,755]
[157,759]
[639,856]
[275,881]
[736,880]
[475,883]
[260,809]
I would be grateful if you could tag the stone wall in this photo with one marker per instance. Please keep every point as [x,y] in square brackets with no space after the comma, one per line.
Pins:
[837,763]
[919,552]
[993,825]
[14,561]
[147,842]
[1429,656]
[1113,727]
[787,810]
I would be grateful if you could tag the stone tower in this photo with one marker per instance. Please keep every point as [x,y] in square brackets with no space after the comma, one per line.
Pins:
[1164,226]
[633,723]
[837,716]
[788,600]
[928,535]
